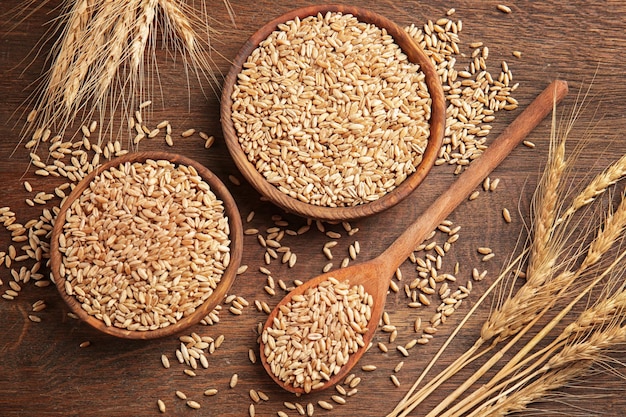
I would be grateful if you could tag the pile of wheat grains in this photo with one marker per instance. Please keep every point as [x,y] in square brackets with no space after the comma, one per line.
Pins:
[473,94]
[330,111]
[427,281]
[297,344]
[144,244]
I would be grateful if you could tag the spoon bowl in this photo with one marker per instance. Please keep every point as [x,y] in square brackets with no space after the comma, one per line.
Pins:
[375,275]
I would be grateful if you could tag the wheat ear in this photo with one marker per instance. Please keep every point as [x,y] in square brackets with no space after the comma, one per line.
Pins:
[91,51]
[521,357]
[545,209]
[78,17]
[591,348]
[561,367]
[180,24]
[518,397]
[597,186]
[147,13]
[116,48]
[613,227]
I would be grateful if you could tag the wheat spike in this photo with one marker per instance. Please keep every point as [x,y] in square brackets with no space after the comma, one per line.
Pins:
[592,347]
[597,315]
[99,59]
[115,50]
[78,17]
[597,186]
[518,399]
[180,24]
[613,227]
[143,29]
[545,206]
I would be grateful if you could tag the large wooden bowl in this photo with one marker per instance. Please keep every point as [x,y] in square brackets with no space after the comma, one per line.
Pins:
[414,53]
[227,279]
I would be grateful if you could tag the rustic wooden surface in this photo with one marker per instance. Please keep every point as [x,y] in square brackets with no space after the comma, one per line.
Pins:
[44,372]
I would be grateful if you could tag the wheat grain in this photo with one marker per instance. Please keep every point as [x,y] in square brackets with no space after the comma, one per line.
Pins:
[193,404]
[161,406]
[504,8]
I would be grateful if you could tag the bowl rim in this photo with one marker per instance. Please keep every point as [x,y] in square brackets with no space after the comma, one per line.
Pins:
[226,281]
[344,213]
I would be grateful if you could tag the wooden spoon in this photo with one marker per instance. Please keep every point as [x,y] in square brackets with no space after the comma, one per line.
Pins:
[414,53]
[376,274]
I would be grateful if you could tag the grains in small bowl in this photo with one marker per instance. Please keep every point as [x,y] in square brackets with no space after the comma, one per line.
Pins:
[333,112]
[146,245]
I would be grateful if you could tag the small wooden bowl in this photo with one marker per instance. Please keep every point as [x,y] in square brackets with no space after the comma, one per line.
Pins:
[437,121]
[227,279]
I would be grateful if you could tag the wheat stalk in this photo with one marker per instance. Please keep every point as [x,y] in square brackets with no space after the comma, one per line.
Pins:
[529,391]
[555,265]
[522,356]
[99,66]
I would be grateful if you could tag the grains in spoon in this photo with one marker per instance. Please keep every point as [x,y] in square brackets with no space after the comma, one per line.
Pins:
[315,333]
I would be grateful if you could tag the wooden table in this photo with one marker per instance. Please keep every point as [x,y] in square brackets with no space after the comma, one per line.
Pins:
[45,372]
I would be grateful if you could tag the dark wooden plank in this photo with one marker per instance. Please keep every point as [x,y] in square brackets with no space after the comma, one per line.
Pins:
[46,373]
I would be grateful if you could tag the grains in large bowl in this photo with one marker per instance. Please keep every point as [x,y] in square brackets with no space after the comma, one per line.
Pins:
[330,111]
[144,245]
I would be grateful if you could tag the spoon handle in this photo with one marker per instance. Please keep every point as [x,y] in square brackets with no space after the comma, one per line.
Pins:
[474,174]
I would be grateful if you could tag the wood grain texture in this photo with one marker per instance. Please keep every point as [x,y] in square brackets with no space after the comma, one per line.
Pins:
[46,373]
